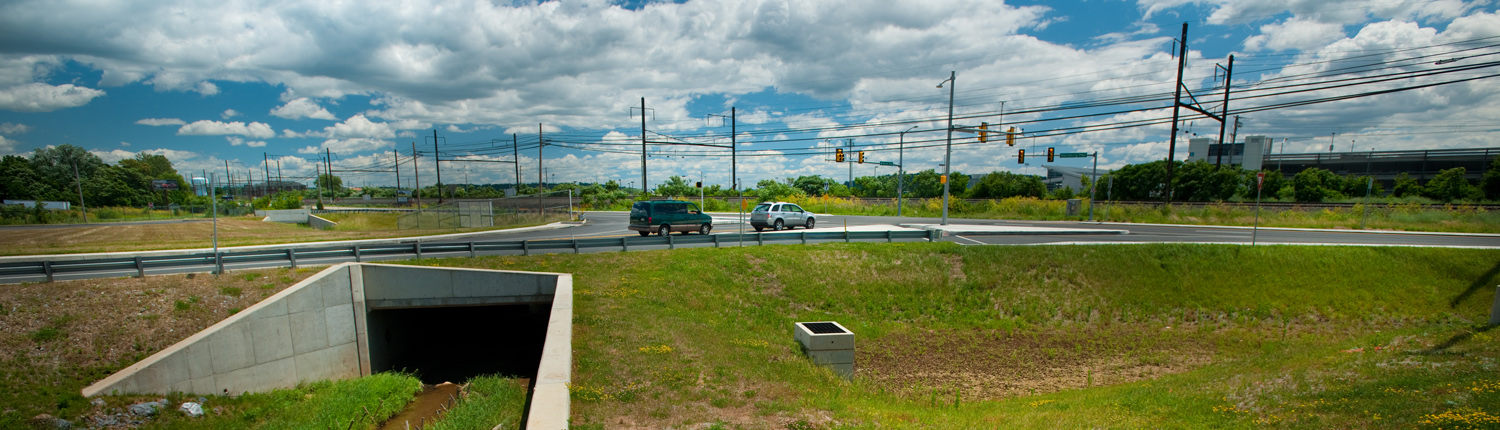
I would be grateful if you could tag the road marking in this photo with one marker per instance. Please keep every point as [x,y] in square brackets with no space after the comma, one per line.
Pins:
[971,240]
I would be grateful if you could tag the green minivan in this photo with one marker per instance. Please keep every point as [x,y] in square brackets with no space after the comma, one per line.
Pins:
[666,216]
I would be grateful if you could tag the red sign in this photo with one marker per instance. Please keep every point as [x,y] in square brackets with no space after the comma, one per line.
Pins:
[1260,180]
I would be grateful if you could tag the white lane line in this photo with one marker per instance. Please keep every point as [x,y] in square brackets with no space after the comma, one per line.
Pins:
[971,240]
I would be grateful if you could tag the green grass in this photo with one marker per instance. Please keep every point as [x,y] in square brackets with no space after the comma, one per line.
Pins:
[492,402]
[1139,336]
[356,403]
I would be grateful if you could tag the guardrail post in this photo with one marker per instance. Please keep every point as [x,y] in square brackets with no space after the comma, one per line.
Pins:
[929,235]
[575,245]
[760,239]
[219,263]
[624,244]
[804,237]
[356,253]
[140,271]
[525,248]
[670,245]
[418,248]
[716,241]
[887,236]
[291,255]
[471,250]
[47,268]
[846,236]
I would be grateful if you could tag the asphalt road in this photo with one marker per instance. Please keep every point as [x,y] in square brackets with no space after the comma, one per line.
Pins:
[613,224]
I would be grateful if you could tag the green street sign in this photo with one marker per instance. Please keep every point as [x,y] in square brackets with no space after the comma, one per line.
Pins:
[1073,155]
[887,163]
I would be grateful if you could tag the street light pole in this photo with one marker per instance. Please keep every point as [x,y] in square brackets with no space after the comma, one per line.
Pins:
[901,168]
[948,148]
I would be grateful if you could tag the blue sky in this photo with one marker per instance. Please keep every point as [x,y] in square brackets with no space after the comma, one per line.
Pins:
[241,82]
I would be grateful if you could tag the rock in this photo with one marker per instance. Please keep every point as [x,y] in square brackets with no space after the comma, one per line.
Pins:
[191,409]
[97,402]
[106,421]
[45,421]
[145,409]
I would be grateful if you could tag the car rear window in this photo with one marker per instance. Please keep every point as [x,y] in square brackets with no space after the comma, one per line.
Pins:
[762,207]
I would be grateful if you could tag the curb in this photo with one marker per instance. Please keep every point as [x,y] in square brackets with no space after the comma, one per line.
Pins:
[1320,230]
[1058,232]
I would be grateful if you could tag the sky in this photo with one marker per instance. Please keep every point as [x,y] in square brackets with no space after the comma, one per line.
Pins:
[250,87]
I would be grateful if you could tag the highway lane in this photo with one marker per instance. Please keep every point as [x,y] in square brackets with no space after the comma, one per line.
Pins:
[613,224]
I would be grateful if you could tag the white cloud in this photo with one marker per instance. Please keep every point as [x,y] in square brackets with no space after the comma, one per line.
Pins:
[14,129]
[205,127]
[237,141]
[1294,34]
[229,113]
[302,107]
[7,146]
[40,97]
[125,144]
[161,121]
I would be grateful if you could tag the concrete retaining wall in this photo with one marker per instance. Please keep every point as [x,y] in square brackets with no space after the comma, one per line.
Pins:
[304,333]
[317,330]
[285,215]
[319,223]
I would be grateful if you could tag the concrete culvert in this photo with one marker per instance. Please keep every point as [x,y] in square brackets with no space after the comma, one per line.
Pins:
[453,344]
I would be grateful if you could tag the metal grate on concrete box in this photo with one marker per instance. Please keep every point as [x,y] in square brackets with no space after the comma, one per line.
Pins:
[827,343]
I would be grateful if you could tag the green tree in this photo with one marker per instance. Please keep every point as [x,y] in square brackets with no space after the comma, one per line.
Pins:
[56,165]
[676,186]
[999,185]
[1407,186]
[1315,185]
[1143,181]
[813,185]
[116,186]
[769,190]
[1274,182]
[1450,185]
[19,181]
[328,182]
[1490,183]
[1202,181]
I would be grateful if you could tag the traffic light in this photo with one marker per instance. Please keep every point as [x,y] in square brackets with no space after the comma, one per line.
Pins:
[1021,157]
[1049,154]
[1010,137]
[699,184]
[984,132]
[838,155]
[861,157]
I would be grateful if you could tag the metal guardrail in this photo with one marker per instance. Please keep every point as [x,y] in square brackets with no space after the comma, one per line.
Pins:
[290,256]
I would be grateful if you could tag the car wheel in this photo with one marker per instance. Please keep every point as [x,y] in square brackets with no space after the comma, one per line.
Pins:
[664,230]
[809,224]
[703,229]
[644,233]
[778,226]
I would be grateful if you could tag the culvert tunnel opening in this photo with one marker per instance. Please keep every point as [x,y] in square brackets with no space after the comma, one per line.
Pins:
[453,344]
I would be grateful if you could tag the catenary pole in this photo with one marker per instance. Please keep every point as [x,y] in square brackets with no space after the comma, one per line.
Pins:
[1176,110]
[515,149]
[1224,116]
[436,165]
[948,149]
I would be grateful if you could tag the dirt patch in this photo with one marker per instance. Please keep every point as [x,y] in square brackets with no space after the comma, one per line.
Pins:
[56,335]
[430,403]
[993,364]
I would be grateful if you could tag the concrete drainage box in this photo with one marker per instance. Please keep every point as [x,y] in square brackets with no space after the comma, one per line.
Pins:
[828,343]
[323,328]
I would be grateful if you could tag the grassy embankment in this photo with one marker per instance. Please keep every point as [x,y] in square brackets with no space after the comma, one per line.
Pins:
[238,231]
[1177,336]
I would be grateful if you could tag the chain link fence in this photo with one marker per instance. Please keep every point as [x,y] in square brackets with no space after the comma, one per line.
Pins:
[480,213]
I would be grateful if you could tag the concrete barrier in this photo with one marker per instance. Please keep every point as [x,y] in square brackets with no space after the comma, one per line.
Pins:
[319,223]
[829,344]
[318,329]
[298,216]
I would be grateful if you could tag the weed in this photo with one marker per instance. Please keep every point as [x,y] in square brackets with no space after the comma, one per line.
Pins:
[230,291]
[248,277]
[46,334]
[182,305]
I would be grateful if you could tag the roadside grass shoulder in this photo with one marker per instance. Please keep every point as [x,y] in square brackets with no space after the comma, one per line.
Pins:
[1159,336]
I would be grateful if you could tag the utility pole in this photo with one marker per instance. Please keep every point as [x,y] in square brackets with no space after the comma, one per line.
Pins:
[328,161]
[539,144]
[230,175]
[515,148]
[437,165]
[901,168]
[265,163]
[1233,137]
[1176,110]
[316,168]
[849,143]
[947,156]
[417,170]
[1228,74]
[733,149]
[396,156]
[1330,141]
[81,205]
[643,145]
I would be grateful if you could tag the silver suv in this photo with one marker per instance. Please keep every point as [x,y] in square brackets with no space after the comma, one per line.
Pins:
[780,215]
